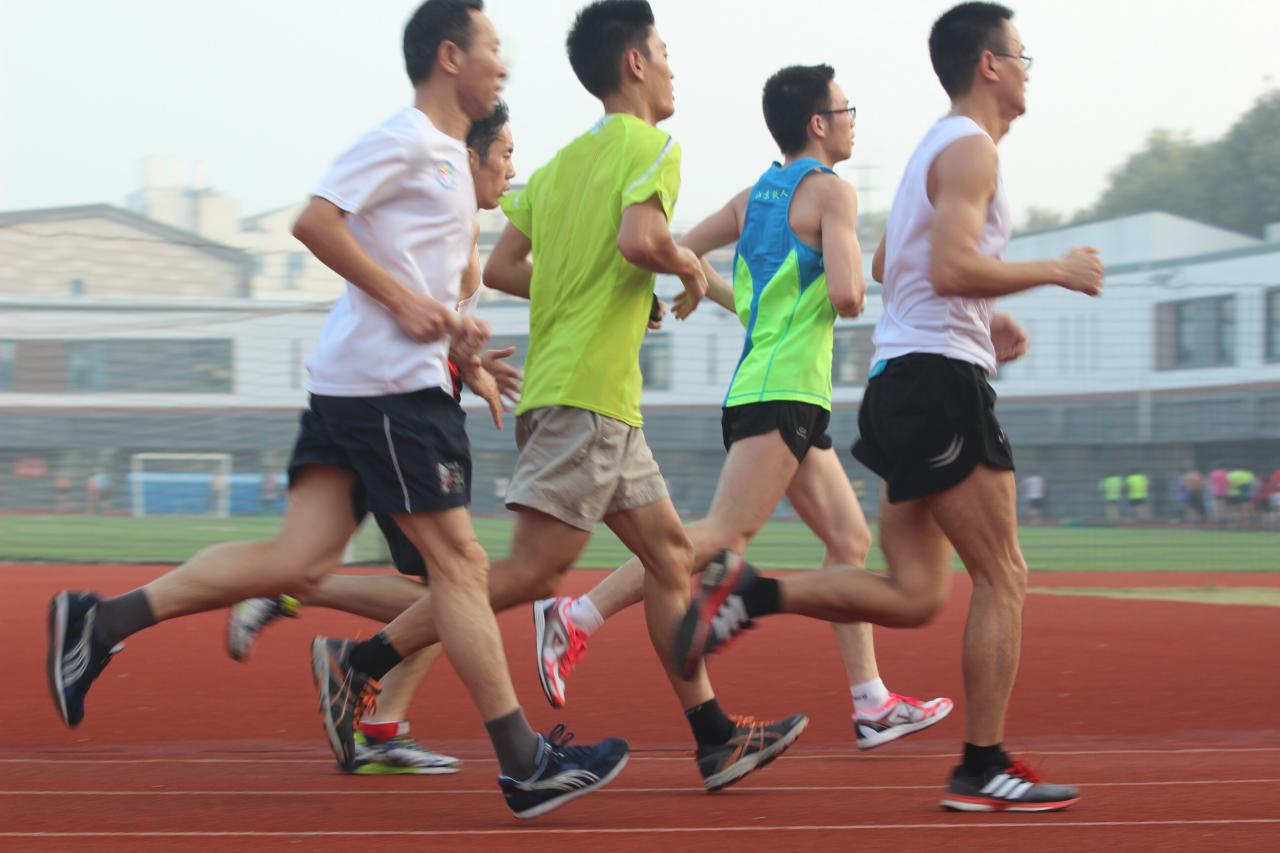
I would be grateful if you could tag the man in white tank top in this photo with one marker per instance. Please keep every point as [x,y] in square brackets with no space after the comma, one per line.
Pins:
[927,421]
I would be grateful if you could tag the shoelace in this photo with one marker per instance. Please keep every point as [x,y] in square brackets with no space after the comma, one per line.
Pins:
[1024,771]
[366,702]
[576,649]
[559,737]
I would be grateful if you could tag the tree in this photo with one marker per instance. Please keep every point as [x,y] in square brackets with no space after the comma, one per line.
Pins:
[1232,182]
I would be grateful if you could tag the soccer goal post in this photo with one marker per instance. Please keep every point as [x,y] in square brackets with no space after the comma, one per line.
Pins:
[180,484]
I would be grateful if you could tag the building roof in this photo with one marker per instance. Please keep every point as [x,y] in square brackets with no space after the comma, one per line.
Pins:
[166,233]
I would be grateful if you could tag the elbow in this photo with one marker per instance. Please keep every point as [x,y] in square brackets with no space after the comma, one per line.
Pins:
[638,251]
[492,275]
[303,230]
[845,303]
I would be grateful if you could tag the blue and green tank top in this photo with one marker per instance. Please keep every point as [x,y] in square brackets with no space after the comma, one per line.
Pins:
[780,293]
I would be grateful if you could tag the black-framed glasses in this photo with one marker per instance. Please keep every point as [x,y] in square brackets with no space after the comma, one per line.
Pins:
[1021,57]
[852,111]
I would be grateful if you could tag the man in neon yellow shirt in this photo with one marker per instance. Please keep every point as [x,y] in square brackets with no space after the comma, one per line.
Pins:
[1112,488]
[1138,487]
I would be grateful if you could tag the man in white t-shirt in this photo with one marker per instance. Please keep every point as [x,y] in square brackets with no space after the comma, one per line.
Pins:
[927,420]
[383,745]
[395,218]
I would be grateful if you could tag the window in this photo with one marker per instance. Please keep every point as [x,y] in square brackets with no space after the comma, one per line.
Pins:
[1272,320]
[295,267]
[76,287]
[1196,333]
[851,357]
[8,349]
[257,264]
[150,366]
[655,361]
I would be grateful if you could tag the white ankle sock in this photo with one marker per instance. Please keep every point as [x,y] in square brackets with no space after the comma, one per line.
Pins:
[869,696]
[584,615]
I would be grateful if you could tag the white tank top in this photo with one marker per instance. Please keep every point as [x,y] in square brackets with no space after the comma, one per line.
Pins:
[915,318]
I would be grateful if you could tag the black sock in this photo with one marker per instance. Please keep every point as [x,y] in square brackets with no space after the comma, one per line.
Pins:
[763,597]
[980,759]
[375,657]
[517,745]
[711,726]
[124,615]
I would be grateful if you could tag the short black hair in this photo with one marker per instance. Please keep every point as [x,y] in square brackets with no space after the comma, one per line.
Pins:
[485,130]
[601,34]
[436,22]
[792,96]
[958,39]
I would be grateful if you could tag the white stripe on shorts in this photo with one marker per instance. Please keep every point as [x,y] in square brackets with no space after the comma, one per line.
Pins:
[395,463]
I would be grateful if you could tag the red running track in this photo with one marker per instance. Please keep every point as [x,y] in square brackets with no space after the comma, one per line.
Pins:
[1164,713]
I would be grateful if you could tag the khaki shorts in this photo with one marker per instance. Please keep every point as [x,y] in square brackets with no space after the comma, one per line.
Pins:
[580,466]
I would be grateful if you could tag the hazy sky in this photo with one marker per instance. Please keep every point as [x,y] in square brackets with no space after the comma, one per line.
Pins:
[267,92]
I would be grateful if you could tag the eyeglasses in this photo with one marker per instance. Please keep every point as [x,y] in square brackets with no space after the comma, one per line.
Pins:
[852,111]
[1022,57]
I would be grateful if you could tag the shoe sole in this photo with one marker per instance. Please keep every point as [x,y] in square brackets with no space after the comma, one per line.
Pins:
[552,805]
[983,804]
[749,764]
[237,654]
[57,645]
[320,672]
[378,768]
[901,731]
[706,608]
[540,632]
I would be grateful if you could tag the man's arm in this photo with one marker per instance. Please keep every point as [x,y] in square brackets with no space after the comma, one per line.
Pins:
[962,182]
[716,231]
[841,254]
[509,269]
[877,262]
[471,275]
[322,228]
[646,242]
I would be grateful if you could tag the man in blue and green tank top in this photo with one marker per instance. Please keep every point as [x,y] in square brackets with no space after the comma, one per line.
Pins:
[797,267]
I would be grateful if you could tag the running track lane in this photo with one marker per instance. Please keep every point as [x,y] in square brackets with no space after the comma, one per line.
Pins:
[1108,691]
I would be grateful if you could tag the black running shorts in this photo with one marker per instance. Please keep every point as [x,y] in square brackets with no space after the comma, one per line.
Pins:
[926,422]
[801,425]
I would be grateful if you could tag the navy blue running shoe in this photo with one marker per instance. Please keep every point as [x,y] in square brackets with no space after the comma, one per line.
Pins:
[564,773]
[77,652]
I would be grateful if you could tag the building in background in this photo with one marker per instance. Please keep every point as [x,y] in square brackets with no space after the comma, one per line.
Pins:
[176,343]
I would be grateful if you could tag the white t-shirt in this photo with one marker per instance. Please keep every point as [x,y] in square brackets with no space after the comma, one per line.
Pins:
[411,204]
[915,318]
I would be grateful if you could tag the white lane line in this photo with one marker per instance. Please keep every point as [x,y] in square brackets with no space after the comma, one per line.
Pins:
[1031,823]
[614,789]
[791,757]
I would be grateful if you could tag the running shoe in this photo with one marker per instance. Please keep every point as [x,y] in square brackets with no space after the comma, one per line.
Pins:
[560,644]
[1016,788]
[900,716]
[399,756]
[753,745]
[345,696]
[77,652]
[718,612]
[564,773]
[249,617]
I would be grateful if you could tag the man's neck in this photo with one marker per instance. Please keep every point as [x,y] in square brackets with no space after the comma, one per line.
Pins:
[813,152]
[438,101]
[985,112]
[629,102]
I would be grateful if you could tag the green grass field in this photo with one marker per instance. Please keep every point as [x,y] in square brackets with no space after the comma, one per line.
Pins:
[780,545]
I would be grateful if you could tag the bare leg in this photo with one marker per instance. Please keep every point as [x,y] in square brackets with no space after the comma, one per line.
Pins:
[317,525]
[458,568]
[824,500]
[400,684]
[753,480]
[378,597]
[979,518]
[542,548]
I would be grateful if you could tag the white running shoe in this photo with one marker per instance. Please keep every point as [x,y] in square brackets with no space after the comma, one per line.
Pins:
[900,716]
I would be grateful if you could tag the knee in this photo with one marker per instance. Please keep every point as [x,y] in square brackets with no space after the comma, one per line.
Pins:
[671,558]
[465,570]
[1005,577]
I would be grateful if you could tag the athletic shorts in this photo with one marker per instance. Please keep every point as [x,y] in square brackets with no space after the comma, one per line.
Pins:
[926,422]
[409,452]
[580,466]
[801,425]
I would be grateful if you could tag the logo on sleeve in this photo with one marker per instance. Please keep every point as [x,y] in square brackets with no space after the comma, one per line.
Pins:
[447,175]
